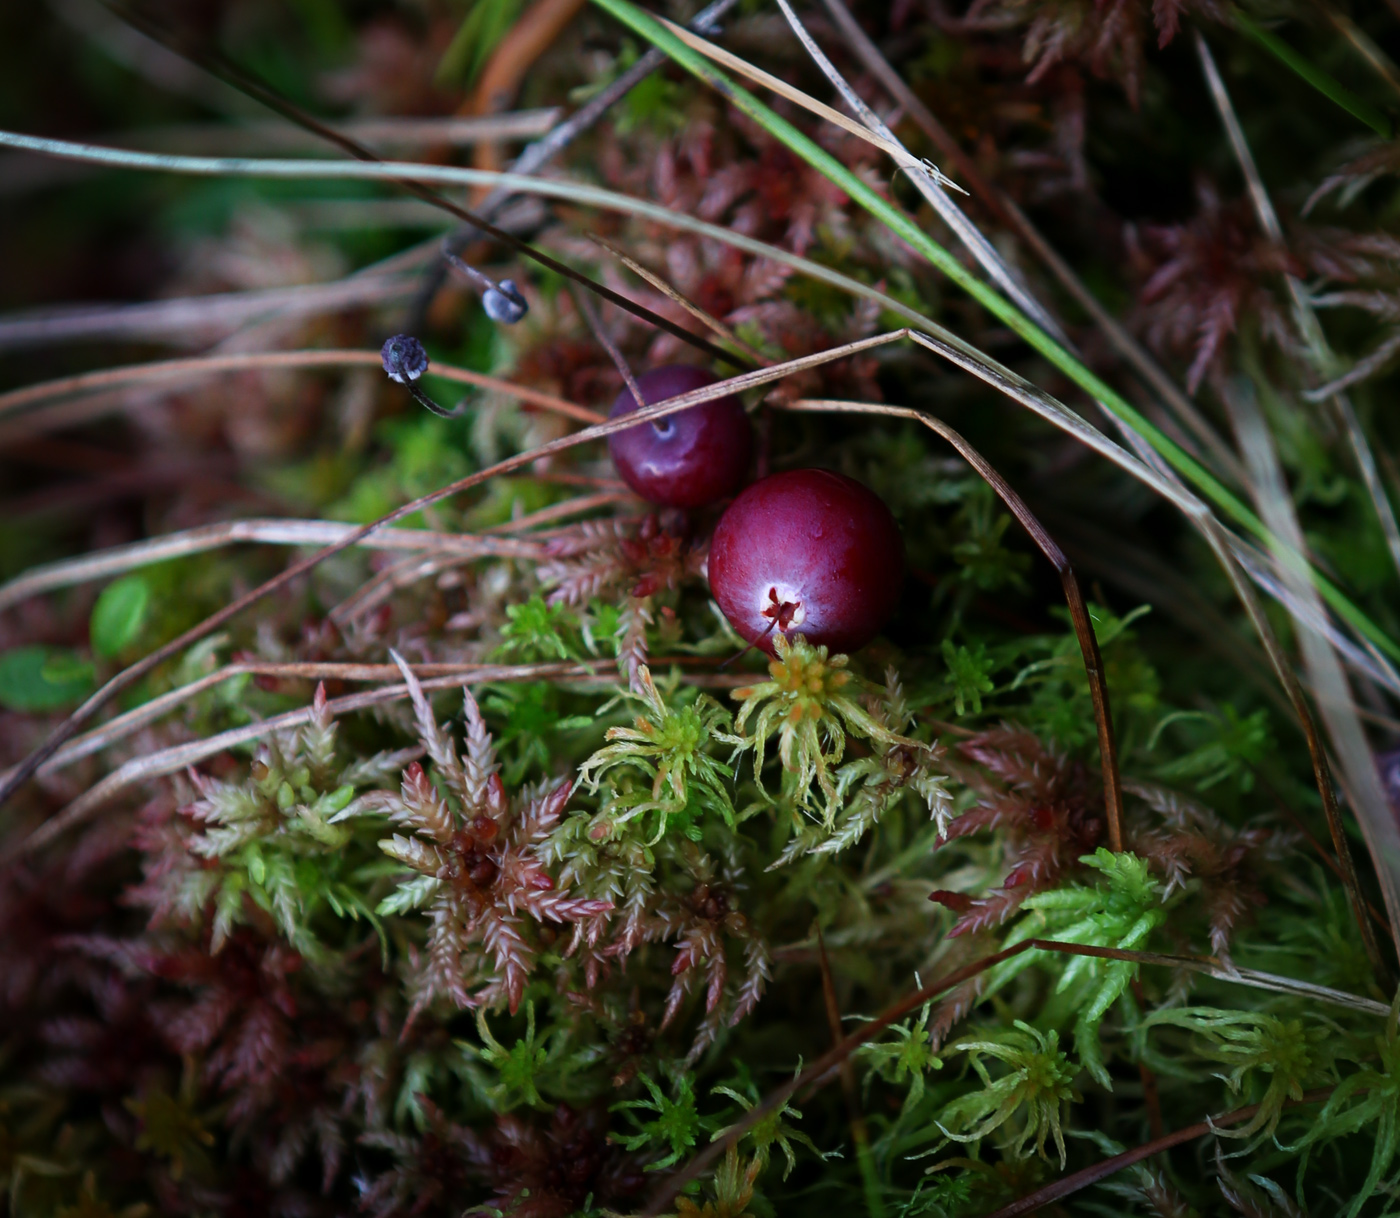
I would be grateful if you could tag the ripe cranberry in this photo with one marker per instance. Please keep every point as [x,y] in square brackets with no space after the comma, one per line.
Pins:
[807,552]
[685,460]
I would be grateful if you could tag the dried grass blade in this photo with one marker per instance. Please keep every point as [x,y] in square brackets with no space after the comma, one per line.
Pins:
[899,223]
[1372,808]
[1079,612]
[191,320]
[197,367]
[708,319]
[124,725]
[1228,551]
[774,84]
[173,760]
[68,728]
[931,187]
[1305,316]
[1000,204]
[120,559]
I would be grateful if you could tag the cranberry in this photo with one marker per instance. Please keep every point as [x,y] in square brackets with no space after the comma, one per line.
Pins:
[807,552]
[685,460]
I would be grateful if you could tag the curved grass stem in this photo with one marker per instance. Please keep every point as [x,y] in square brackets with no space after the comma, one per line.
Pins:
[642,23]
[258,361]
[1078,610]
[129,676]
[1075,1181]
[826,1067]
[947,343]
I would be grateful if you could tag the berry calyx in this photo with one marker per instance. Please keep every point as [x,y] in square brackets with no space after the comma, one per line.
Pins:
[688,459]
[807,552]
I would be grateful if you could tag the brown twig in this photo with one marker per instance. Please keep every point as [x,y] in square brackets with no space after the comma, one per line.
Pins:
[599,331]
[1006,210]
[1075,1181]
[1078,610]
[825,1067]
[860,1136]
[241,80]
[671,293]
[129,676]
[197,367]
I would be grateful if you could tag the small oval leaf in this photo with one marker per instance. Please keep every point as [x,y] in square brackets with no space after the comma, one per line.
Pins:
[43,679]
[119,614]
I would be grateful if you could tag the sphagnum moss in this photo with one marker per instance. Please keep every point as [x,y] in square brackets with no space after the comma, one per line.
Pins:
[480,940]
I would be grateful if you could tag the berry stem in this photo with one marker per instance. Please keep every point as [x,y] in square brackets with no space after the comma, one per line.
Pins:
[595,324]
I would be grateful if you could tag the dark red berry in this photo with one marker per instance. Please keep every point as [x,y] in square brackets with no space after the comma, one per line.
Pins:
[685,460]
[808,552]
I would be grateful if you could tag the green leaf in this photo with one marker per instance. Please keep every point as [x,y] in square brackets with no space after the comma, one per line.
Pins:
[119,614]
[43,678]
[478,35]
[969,673]
[408,895]
[643,23]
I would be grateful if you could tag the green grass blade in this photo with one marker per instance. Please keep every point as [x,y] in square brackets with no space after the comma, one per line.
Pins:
[642,23]
[1325,84]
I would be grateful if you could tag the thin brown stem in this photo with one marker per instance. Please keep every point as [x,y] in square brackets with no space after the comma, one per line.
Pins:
[1075,1181]
[600,332]
[859,43]
[859,1134]
[129,676]
[821,1071]
[229,72]
[671,293]
[197,367]
[1074,597]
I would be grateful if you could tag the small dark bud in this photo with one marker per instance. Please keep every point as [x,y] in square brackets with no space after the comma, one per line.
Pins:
[403,358]
[504,303]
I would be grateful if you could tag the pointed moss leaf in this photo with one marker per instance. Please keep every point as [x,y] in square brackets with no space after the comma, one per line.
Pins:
[408,895]
[43,679]
[119,614]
